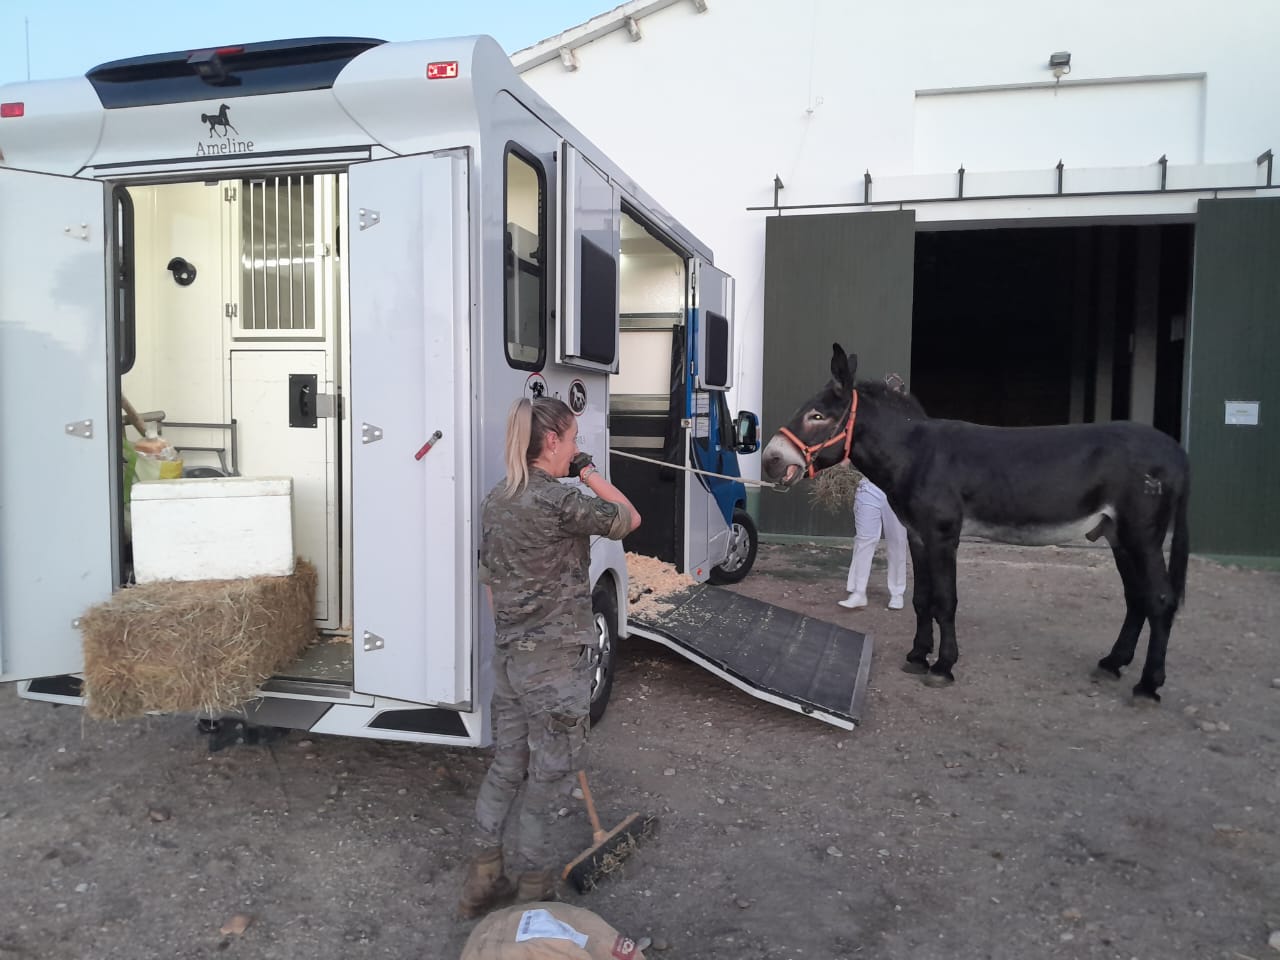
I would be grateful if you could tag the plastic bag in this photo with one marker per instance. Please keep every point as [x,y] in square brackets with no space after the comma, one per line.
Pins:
[157,459]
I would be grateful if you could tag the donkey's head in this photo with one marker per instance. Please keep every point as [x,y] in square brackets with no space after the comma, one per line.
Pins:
[819,434]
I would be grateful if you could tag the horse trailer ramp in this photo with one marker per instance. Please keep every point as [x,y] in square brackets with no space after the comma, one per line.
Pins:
[807,665]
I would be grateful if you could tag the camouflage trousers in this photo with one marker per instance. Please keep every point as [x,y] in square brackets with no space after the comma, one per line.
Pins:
[541,702]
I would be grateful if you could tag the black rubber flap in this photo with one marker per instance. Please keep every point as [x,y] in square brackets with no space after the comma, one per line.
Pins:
[810,662]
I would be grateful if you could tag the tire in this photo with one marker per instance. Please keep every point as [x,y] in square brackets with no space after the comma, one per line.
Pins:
[604,610]
[744,541]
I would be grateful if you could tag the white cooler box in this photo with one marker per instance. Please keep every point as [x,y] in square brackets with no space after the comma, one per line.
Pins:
[217,528]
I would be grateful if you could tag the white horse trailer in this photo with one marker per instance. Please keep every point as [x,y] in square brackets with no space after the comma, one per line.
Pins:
[309,259]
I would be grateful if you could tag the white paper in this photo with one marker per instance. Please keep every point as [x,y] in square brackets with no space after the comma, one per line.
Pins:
[541,925]
[1242,413]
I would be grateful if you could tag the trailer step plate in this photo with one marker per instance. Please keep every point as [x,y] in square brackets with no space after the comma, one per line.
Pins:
[807,665]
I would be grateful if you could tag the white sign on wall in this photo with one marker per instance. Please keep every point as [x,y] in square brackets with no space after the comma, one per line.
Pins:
[1242,413]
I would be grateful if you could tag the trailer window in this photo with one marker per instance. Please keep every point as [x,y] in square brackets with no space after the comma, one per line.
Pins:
[525,263]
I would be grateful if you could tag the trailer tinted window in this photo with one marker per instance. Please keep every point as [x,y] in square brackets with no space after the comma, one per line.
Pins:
[251,69]
[525,263]
[717,359]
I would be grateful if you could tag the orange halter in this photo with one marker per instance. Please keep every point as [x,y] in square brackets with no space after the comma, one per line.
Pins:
[846,434]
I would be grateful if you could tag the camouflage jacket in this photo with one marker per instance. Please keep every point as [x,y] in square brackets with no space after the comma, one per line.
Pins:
[535,555]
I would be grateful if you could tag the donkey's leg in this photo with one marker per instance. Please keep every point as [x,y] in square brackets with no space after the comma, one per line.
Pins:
[922,645]
[1135,616]
[942,572]
[1161,604]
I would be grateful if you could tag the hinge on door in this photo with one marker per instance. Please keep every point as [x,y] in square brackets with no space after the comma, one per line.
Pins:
[229,194]
[373,642]
[81,428]
[369,218]
[231,310]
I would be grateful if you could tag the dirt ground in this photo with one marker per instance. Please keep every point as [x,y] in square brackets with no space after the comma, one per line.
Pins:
[1028,811]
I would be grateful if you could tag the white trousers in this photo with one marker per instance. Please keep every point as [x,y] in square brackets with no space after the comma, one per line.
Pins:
[871,512]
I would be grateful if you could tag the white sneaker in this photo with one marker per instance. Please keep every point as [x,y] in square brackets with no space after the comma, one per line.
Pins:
[854,601]
[895,603]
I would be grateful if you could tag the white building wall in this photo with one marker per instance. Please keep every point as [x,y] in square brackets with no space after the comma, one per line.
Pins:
[706,108]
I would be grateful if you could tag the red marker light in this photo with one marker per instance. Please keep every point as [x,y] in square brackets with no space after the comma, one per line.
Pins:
[17,109]
[442,70]
[217,52]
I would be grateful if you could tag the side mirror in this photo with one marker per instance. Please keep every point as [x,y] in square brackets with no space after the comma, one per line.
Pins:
[746,429]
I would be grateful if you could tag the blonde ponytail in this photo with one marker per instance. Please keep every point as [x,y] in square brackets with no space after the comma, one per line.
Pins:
[519,426]
[528,423]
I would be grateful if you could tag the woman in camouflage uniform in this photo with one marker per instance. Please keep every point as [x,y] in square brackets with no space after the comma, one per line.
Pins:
[535,554]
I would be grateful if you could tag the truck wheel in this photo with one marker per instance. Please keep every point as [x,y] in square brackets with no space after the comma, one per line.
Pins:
[744,540]
[604,610]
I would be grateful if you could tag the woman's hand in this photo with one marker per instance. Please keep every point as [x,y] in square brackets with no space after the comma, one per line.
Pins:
[579,463]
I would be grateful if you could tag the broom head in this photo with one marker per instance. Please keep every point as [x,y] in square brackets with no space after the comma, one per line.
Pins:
[607,855]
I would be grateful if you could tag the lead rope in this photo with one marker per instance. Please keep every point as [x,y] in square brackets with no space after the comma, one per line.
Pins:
[703,473]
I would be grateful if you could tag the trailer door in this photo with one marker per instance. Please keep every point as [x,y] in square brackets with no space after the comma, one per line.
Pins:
[706,528]
[59,463]
[410,363]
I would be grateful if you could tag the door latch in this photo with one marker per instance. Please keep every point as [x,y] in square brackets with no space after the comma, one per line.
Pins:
[307,405]
[302,400]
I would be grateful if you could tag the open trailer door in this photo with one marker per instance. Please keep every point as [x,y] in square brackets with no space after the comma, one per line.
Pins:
[411,417]
[706,524]
[59,453]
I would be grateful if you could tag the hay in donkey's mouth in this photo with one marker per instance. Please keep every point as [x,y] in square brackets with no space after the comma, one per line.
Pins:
[833,488]
[205,645]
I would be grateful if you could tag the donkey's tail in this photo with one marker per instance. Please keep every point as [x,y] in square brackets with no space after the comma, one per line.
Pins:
[1181,545]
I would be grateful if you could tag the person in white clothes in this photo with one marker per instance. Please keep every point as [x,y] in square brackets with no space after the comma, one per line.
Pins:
[871,513]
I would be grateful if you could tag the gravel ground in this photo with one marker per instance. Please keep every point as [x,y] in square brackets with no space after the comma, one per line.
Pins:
[1029,810]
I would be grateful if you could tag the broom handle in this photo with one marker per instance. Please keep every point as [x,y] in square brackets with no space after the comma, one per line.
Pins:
[132,414]
[596,833]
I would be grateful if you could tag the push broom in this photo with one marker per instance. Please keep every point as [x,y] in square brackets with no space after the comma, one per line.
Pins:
[609,849]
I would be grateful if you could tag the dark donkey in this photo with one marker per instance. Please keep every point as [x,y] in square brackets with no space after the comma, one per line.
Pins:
[1028,485]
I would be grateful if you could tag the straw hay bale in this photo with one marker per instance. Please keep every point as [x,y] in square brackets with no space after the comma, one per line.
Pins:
[833,488]
[204,645]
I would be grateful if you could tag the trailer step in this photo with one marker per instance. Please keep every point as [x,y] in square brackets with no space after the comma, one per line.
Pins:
[801,663]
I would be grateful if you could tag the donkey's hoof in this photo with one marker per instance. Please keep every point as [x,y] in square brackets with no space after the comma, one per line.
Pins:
[915,666]
[939,678]
[1145,694]
[1106,671]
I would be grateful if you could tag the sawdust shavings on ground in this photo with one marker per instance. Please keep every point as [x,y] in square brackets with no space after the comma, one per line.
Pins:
[649,582]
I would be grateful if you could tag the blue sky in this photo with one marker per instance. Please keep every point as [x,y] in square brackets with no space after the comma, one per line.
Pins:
[67,37]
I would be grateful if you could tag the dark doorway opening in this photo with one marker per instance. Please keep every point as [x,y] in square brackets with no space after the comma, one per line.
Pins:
[1042,325]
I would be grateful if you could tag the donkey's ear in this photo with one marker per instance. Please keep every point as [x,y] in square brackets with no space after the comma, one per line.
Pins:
[843,367]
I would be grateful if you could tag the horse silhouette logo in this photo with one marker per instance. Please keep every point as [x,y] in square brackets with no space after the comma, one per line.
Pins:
[218,122]
[577,396]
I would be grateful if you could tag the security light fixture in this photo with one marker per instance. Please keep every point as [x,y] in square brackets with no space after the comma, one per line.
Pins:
[1060,64]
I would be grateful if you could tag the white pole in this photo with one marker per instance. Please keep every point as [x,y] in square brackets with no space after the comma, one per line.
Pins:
[26,25]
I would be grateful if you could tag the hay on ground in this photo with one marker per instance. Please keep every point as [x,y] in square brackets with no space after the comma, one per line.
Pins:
[205,645]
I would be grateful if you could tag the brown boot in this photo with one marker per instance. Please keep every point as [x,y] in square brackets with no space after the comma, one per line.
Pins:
[536,885]
[486,886]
